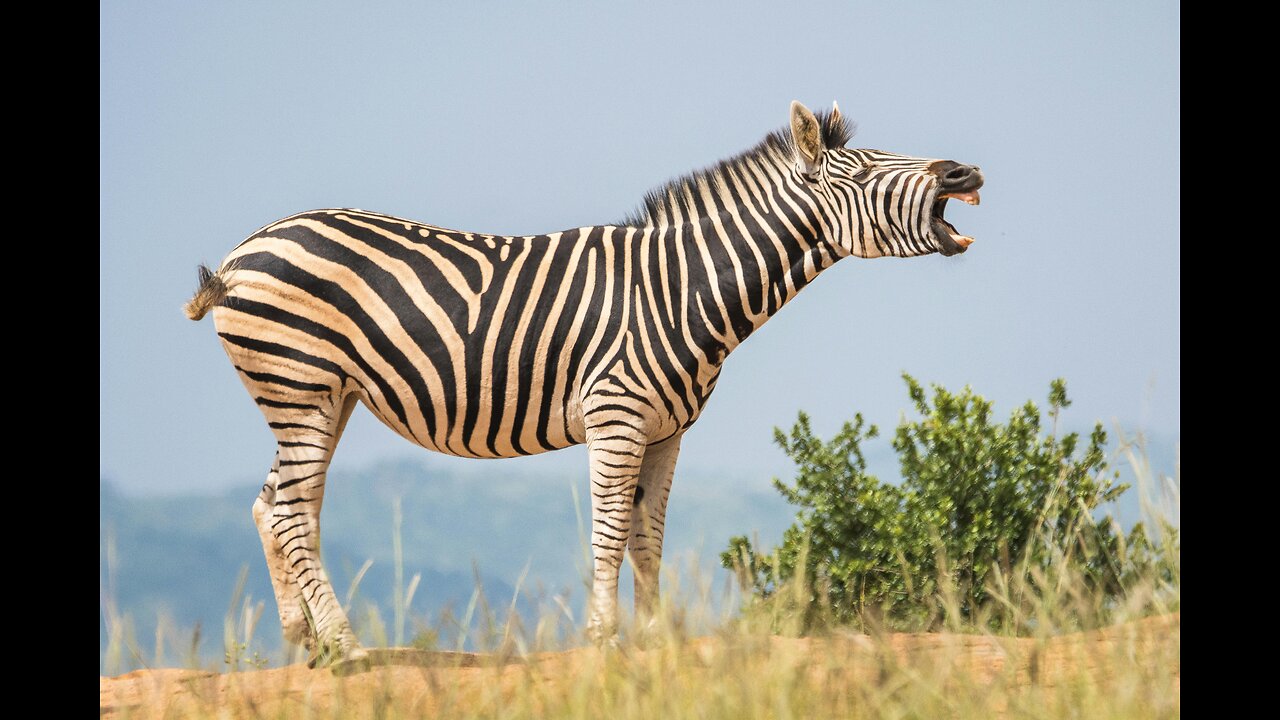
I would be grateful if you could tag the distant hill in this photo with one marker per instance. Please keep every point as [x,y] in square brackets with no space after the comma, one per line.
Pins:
[179,557]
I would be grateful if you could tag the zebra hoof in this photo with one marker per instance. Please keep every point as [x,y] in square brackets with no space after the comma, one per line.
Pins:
[647,634]
[333,656]
[356,661]
[605,640]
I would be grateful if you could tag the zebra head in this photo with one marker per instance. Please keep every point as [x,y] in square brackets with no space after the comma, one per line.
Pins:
[880,203]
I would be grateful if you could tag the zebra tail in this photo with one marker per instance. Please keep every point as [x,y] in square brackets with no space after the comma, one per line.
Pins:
[211,291]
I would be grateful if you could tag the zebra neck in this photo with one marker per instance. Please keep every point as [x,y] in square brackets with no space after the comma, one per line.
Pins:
[739,268]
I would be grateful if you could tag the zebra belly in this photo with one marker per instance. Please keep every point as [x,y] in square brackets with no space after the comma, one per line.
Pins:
[459,443]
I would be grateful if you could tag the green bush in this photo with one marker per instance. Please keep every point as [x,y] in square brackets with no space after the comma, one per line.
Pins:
[987,516]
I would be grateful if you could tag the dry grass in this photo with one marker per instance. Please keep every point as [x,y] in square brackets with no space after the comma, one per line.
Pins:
[1130,671]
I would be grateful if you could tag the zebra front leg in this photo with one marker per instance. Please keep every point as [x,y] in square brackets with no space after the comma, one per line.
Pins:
[289,603]
[648,523]
[615,469]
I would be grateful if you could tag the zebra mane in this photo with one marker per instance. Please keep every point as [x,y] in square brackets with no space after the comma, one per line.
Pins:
[776,148]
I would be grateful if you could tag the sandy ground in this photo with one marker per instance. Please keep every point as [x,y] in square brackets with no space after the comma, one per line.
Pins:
[444,681]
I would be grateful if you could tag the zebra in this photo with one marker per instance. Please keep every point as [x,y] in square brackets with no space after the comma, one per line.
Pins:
[489,346]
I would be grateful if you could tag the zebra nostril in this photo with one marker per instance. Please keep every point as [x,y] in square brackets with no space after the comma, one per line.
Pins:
[959,173]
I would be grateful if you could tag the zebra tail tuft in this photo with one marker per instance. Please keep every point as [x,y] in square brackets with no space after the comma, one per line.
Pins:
[211,291]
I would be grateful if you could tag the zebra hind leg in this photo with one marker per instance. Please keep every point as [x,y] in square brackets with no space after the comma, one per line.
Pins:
[289,603]
[307,431]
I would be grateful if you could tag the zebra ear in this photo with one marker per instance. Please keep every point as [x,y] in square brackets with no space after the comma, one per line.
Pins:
[807,134]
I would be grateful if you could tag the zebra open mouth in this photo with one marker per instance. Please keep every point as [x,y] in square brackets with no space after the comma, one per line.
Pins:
[950,241]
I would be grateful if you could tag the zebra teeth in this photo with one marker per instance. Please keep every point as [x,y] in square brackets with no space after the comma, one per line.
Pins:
[970,197]
[963,241]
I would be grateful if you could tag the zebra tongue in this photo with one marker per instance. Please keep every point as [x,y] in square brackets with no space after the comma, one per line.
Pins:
[963,241]
[970,197]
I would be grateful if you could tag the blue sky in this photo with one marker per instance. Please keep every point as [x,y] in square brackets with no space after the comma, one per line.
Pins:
[217,118]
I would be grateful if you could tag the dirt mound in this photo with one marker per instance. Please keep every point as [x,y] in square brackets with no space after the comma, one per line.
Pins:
[449,683]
